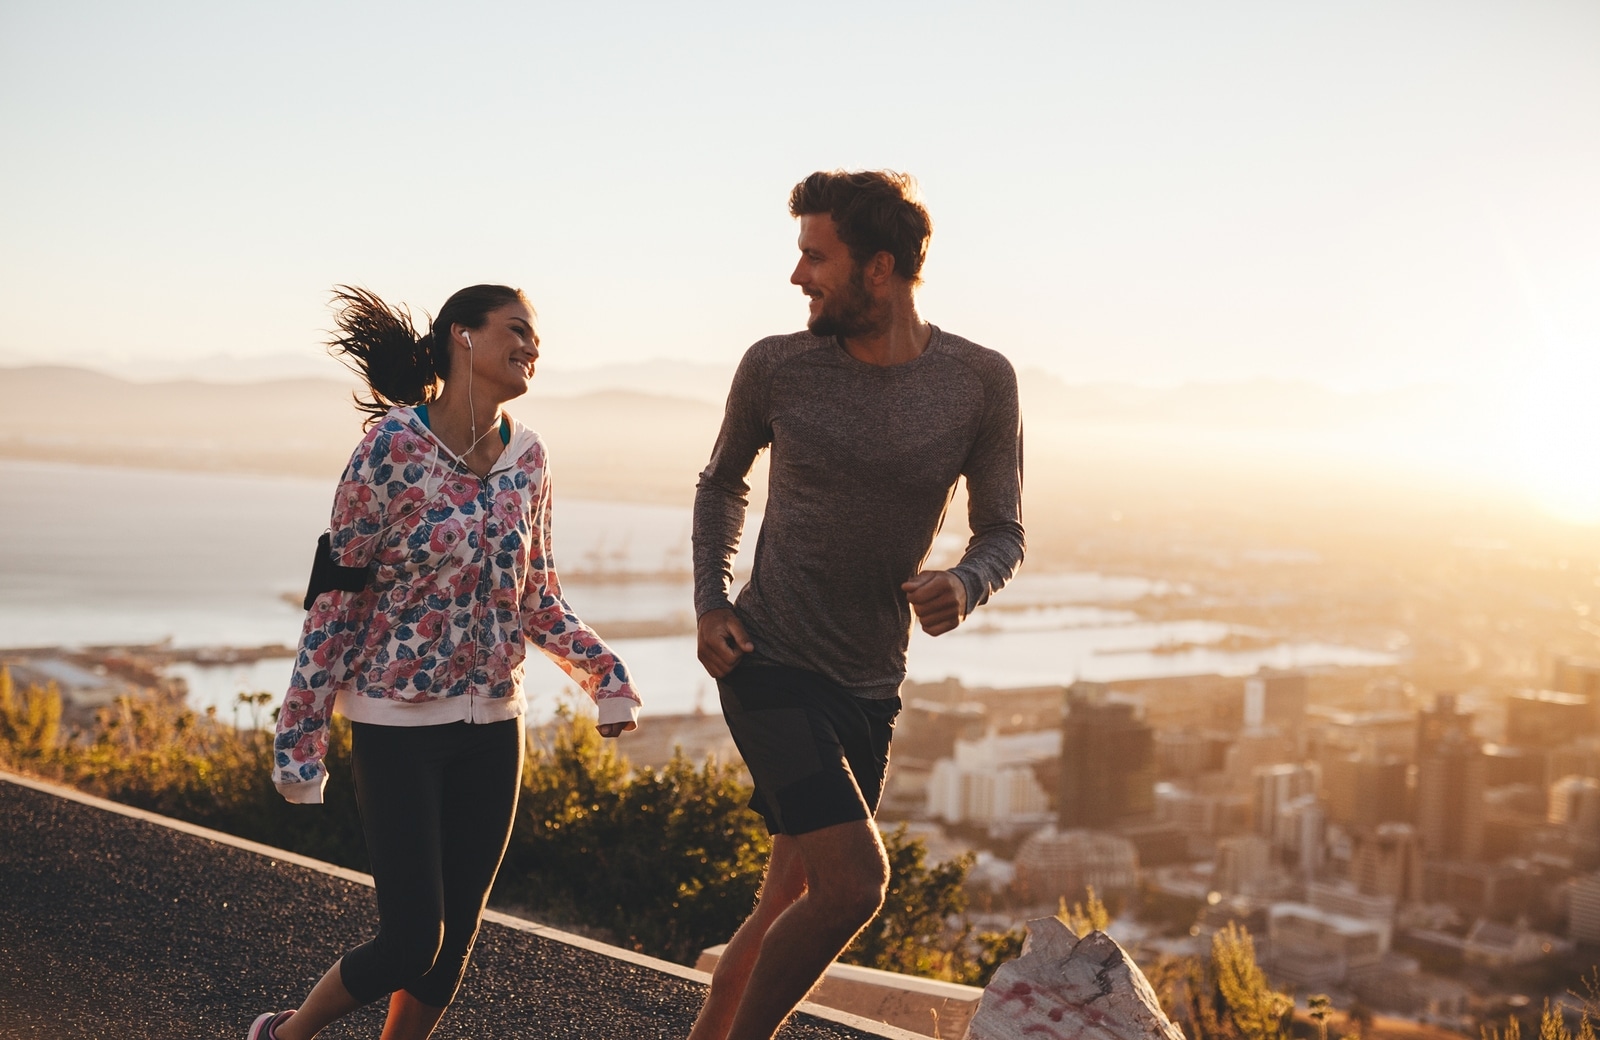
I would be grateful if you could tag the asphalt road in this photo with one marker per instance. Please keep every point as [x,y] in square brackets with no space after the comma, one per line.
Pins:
[126,929]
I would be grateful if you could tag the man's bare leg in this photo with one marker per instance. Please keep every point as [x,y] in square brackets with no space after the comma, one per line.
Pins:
[784,883]
[846,873]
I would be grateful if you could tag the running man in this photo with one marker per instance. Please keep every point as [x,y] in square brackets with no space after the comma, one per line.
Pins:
[872,415]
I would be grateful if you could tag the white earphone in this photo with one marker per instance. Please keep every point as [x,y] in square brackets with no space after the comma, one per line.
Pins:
[468,337]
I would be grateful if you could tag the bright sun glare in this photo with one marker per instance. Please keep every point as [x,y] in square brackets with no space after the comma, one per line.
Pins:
[1558,429]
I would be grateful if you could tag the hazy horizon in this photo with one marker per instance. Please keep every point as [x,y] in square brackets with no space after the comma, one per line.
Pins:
[1362,198]
[650,424]
[1357,195]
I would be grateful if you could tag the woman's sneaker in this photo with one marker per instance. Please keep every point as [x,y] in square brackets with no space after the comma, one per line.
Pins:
[265,1027]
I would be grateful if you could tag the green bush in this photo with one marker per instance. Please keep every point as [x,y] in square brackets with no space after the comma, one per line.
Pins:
[1224,997]
[30,725]
[666,862]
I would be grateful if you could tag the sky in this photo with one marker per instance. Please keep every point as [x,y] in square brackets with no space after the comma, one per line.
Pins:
[1358,195]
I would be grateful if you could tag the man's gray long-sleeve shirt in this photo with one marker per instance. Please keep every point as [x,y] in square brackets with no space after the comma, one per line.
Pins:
[864,461]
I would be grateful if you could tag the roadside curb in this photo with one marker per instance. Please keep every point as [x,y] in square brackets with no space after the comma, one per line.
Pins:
[498,917]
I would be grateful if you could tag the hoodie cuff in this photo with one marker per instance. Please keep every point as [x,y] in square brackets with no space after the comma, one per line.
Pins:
[304,792]
[619,709]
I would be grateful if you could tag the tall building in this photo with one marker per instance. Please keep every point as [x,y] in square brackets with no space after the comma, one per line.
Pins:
[1362,793]
[1275,699]
[1575,807]
[1387,861]
[1547,719]
[1575,675]
[1188,753]
[1370,734]
[1505,764]
[1299,834]
[1450,769]
[1579,758]
[992,782]
[1243,865]
[1583,910]
[1274,787]
[1255,749]
[1108,761]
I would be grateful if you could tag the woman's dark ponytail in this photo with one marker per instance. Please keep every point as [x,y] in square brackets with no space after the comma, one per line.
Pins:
[380,344]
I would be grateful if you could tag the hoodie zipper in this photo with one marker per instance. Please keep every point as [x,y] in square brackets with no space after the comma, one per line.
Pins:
[480,597]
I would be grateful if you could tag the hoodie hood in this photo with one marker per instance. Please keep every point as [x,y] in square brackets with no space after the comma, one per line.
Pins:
[522,438]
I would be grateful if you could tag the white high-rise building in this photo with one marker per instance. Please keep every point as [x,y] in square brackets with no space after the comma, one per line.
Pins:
[1298,834]
[1275,786]
[991,782]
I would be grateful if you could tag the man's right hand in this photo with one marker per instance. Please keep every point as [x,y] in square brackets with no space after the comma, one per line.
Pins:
[722,640]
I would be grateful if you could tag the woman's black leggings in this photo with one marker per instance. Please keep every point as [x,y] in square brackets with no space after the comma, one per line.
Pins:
[436,807]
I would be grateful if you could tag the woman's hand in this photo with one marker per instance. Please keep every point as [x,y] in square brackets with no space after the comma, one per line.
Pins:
[613,729]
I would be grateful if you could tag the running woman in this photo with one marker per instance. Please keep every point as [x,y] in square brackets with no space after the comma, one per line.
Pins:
[434,574]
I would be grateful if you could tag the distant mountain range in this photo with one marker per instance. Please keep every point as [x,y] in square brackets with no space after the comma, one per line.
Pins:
[642,431]
[610,443]
[693,380]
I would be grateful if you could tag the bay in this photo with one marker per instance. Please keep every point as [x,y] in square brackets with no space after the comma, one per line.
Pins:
[99,555]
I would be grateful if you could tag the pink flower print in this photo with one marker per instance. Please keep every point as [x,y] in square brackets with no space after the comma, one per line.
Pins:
[380,627]
[447,536]
[462,659]
[296,706]
[323,613]
[407,447]
[306,750]
[325,655]
[459,491]
[353,501]
[407,501]
[508,506]
[431,624]
[398,671]
[463,582]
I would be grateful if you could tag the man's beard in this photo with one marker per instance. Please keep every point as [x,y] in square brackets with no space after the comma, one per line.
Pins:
[852,312]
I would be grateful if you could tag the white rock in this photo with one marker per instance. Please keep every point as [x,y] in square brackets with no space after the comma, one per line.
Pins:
[1066,988]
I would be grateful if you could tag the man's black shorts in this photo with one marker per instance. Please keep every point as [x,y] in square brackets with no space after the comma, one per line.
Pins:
[817,752]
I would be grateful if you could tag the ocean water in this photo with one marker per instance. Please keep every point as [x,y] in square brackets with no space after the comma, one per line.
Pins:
[92,555]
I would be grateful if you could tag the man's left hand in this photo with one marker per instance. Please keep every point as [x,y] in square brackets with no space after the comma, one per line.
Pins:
[939,599]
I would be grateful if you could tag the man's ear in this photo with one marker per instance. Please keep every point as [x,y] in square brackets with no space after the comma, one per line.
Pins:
[880,267]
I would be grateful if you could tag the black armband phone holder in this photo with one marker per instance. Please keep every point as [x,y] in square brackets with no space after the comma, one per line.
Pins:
[327,575]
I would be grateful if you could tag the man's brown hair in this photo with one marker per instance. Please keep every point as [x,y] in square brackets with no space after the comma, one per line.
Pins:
[874,211]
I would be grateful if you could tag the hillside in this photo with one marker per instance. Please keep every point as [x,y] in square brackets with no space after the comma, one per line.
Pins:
[611,444]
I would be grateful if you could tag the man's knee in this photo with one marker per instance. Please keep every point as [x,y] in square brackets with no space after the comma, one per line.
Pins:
[855,896]
[858,911]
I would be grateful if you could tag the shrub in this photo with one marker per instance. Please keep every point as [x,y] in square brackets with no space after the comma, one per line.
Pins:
[666,862]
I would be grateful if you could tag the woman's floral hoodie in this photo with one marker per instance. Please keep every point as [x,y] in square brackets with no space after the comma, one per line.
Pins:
[459,576]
